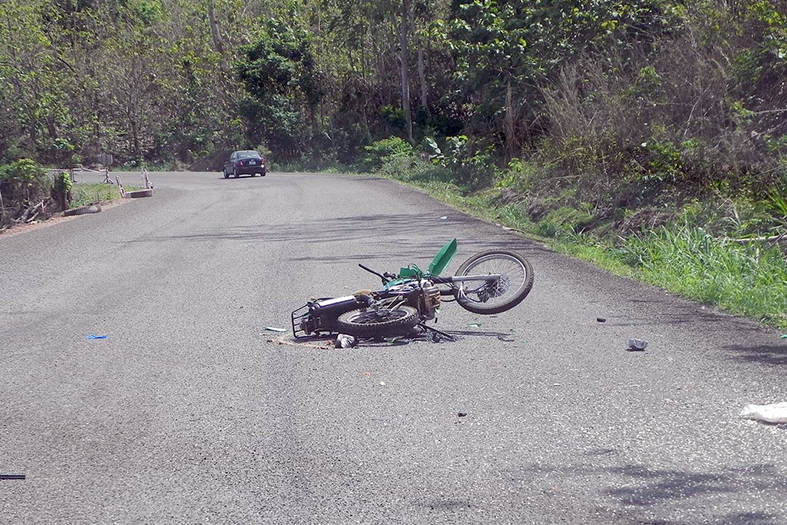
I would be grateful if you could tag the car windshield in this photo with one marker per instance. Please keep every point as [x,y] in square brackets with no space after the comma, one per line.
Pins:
[248,155]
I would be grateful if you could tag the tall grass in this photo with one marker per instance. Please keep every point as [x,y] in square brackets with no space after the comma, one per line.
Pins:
[749,279]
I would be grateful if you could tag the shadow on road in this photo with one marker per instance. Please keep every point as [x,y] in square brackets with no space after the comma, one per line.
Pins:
[775,354]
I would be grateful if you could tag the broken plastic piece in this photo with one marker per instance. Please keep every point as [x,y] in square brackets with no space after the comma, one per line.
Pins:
[97,337]
[775,413]
[12,476]
[345,341]
[274,329]
[637,344]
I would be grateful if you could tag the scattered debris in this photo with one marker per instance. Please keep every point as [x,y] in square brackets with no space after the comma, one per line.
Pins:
[506,339]
[444,217]
[12,476]
[90,337]
[274,329]
[345,341]
[637,345]
[775,413]
[462,414]
[784,336]
[601,320]
[474,325]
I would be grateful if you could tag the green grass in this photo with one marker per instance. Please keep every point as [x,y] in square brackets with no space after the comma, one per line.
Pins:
[749,279]
[83,194]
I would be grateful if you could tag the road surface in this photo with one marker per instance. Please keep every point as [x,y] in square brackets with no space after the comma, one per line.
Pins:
[191,411]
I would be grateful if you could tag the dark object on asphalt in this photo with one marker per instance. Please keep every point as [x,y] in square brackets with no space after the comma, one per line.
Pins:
[637,345]
[12,476]
[82,210]
[601,320]
[245,162]
[461,414]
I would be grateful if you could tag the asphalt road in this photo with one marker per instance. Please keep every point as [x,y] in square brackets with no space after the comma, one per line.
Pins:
[190,411]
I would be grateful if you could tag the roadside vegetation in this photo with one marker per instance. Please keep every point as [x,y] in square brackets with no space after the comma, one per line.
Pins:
[649,136]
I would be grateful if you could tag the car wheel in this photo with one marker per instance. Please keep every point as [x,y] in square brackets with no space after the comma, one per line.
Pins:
[235,173]
[263,173]
[226,175]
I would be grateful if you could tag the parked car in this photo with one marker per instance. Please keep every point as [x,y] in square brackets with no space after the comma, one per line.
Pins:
[244,162]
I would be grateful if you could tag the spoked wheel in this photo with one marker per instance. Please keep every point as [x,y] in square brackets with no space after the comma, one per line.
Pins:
[499,295]
[370,322]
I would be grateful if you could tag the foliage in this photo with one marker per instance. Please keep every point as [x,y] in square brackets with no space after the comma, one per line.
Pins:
[22,183]
[382,151]
[280,75]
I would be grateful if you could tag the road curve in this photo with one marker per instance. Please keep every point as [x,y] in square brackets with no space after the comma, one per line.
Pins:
[190,411]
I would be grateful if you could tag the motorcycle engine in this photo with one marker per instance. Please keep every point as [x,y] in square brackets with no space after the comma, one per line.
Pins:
[431,299]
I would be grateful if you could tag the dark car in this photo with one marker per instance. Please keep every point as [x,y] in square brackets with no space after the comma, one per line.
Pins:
[245,162]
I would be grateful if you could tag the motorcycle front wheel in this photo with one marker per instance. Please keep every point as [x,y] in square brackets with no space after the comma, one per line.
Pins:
[369,322]
[494,296]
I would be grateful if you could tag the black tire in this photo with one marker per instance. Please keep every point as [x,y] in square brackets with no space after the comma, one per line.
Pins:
[226,175]
[235,173]
[486,297]
[368,322]
[264,172]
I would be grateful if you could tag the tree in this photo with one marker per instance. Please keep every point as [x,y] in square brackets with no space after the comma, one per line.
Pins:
[281,76]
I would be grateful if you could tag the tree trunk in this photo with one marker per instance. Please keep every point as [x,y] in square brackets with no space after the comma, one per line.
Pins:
[510,146]
[214,29]
[422,80]
[403,42]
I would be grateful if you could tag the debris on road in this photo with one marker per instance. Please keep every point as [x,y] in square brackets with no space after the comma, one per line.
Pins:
[601,320]
[12,476]
[91,337]
[637,345]
[775,413]
[274,329]
[345,341]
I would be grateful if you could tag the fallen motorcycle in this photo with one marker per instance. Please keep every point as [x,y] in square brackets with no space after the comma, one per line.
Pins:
[487,283]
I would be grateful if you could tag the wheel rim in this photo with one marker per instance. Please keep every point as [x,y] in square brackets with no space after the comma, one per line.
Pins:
[377,316]
[513,277]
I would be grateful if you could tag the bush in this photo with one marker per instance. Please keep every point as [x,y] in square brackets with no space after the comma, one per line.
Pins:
[23,180]
[381,151]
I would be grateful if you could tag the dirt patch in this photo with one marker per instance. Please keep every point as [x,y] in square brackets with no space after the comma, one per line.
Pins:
[55,218]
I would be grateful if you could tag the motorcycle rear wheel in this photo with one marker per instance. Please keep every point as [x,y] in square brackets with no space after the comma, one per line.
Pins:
[491,297]
[369,322]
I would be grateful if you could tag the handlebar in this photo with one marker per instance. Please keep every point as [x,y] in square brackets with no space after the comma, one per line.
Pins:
[385,277]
